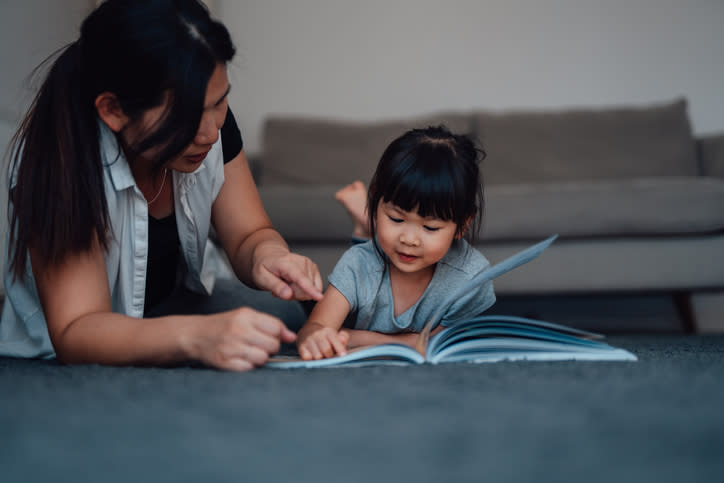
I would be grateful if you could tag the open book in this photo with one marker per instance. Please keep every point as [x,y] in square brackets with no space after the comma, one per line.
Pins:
[485,338]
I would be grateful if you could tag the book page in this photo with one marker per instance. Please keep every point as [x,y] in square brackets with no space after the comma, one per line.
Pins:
[382,354]
[483,276]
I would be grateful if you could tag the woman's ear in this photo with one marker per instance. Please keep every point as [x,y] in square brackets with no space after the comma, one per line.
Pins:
[110,112]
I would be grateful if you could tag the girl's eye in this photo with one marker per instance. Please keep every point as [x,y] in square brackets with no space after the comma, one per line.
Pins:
[394,220]
[432,228]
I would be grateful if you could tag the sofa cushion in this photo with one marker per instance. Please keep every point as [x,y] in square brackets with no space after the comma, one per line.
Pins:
[637,207]
[711,154]
[321,151]
[587,144]
[307,213]
[641,207]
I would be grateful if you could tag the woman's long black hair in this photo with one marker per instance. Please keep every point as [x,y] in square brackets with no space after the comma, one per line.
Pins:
[144,52]
[433,172]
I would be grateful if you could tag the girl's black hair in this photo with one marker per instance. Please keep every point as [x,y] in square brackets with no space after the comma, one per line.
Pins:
[433,172]
[145,52]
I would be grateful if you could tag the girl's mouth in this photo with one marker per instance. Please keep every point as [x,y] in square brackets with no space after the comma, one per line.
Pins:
[406,258]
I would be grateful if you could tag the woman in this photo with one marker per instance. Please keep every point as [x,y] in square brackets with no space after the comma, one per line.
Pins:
[117,175]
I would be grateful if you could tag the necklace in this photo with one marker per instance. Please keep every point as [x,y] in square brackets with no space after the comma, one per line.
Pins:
[165,170]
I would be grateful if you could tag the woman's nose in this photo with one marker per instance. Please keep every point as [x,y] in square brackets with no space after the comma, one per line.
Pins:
[208,131]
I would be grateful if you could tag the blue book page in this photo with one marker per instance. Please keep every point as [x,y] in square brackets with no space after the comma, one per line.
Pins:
[485,275]
[500,337]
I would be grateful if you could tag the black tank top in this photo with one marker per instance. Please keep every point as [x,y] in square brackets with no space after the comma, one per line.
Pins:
[164,246]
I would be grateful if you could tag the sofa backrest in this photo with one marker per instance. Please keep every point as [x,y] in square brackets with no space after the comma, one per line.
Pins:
[711,154]
[586,144]
[329,151]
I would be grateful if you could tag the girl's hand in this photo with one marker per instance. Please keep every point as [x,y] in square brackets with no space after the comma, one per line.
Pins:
[317,341]
[239,340]
[288,276]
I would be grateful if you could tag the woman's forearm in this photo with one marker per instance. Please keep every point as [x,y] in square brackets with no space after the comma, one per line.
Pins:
[239,339]
[115,339]
[262,243]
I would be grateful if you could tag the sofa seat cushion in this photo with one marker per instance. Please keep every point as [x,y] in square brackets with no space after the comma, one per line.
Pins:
[328,151]
[637,207]
[587,144]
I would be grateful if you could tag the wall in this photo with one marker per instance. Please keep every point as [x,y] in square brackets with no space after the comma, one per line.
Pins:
[386,58]
[31,31]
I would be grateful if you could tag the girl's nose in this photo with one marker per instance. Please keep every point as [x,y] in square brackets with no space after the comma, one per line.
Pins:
[409,238]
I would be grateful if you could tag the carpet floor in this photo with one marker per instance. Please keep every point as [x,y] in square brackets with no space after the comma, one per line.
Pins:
[659,419]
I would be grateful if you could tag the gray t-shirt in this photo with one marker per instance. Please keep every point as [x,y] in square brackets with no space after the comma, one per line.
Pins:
[360,276]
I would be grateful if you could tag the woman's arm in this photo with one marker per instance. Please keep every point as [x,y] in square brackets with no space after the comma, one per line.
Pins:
[259,255]
[83,329]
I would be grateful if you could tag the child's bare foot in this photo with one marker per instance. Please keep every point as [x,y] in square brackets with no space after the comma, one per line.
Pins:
[354,198]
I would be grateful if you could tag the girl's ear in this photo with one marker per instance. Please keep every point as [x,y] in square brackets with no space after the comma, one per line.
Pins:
[110,112]
[464,229]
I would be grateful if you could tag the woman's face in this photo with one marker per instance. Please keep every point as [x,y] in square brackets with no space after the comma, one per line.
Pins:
[212,118]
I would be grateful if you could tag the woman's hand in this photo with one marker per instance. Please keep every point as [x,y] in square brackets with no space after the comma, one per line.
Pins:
[238,340]
[287,275]
[317,341]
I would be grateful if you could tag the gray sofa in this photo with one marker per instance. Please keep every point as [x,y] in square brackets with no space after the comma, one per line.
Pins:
[637,200]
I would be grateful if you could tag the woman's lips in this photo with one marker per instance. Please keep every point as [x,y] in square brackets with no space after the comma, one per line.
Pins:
[198,157]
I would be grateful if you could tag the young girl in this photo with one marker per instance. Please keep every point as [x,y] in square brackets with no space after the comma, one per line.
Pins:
[126,158]
[425,195]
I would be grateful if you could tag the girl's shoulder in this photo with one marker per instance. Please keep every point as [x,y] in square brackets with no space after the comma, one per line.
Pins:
[364,254]
[465,258]
[358,274]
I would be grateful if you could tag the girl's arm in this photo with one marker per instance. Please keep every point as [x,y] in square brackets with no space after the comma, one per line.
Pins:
[358,338]
[83,329]
[320,337]
[258,254]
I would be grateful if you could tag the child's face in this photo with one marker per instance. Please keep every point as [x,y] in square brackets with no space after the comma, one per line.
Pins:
[411,242]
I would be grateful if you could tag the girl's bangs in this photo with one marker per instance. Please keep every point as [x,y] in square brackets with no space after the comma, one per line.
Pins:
[429,189]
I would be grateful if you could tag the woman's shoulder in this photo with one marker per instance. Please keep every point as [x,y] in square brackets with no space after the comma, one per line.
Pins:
[231,139]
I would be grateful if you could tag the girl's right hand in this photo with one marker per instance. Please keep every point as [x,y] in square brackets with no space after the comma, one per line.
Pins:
[239,339]
[317,341]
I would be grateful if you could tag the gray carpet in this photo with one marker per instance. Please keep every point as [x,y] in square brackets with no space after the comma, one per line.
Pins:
[659,419]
